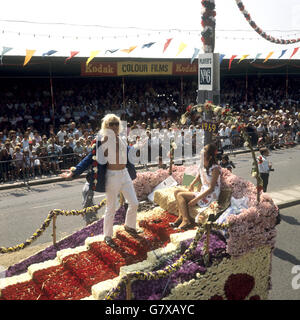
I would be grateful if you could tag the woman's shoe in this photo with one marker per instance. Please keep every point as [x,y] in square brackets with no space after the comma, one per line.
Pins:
[175,224]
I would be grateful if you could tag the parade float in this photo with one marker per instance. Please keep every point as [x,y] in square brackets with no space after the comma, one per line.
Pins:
[227,256]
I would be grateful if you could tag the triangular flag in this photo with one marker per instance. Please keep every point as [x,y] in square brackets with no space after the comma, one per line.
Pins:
[231,59]
[111,50]
[282,53]
[196,52]
[4,50]
[294,52]
[181,48]
[167,44]
[148,45]
[243,57]
[129,50]
[268,56]
[257,56]
[49,53]
[92,56]
[73,54]
[222,57]
[29,54]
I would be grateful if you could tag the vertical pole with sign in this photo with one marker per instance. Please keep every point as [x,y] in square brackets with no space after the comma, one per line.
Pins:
[208,85]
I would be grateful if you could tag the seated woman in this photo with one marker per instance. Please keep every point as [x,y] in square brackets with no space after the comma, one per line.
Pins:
[209,175]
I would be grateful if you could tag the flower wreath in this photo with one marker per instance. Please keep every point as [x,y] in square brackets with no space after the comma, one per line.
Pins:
[259,30]
[208,22]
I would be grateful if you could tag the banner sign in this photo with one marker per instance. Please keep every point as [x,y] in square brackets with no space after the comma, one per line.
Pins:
[186,68]
[99,69]
[205,77]
[137,68]
[144,68]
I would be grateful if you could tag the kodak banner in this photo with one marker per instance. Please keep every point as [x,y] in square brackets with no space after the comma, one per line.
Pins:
[137,68]
[144,68]
[99,69]
[181,69]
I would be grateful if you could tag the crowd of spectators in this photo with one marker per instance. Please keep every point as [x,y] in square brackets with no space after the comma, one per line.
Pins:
[41,134]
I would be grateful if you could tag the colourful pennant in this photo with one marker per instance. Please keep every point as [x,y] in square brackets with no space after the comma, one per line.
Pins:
[268,56]
[4,50]
[182,46]
[73,54]
[148,45]
[29,54]
[49,53]
[282,53]
[129,50]
[111,50]
[243,57]
[167,44]
[257,56]
[92,56]
[294,52]
[222,57]
[196,52]
[231,59]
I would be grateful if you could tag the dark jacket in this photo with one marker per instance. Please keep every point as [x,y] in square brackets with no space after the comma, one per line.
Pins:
[101,170]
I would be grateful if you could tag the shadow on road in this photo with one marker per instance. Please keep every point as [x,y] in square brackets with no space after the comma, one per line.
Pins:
[290,220]
[283,255]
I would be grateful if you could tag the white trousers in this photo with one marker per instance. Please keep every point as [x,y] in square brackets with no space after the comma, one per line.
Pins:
[119,181]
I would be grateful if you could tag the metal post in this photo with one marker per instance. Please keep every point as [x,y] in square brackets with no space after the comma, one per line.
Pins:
[54,230]
[128,289]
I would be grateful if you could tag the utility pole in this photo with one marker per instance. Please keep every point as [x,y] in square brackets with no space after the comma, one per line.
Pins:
[209,65]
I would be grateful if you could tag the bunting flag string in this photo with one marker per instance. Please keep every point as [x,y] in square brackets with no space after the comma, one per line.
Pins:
[73,54]
[29,55]
[180,48]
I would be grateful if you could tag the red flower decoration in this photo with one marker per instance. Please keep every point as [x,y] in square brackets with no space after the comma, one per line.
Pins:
[238,287]
[189,108]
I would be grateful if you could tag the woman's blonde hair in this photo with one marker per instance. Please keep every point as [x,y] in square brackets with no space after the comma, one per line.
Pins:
[110,117]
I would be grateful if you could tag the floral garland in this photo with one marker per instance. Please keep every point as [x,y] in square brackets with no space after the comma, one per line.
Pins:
[259,30]
[46,224]
[208,23]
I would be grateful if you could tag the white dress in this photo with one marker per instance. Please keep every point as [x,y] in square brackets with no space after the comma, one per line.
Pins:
[206,180]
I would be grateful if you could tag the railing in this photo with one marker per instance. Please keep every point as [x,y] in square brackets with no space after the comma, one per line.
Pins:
[40,166]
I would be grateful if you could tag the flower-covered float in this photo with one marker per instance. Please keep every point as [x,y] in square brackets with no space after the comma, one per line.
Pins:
[229,260]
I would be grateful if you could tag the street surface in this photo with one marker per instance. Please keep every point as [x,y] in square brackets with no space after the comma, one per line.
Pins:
[23,210]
